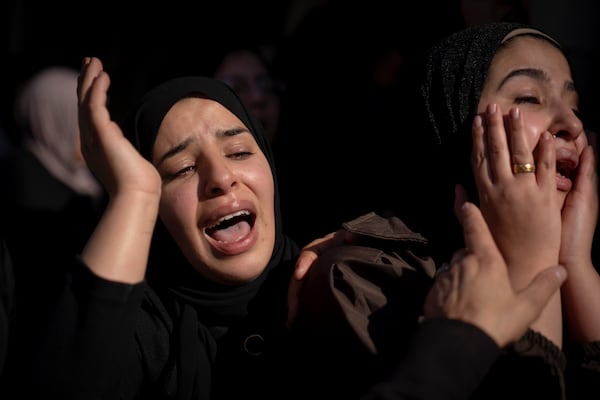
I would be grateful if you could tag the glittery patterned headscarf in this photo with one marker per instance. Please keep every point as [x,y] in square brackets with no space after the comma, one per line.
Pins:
[454,74]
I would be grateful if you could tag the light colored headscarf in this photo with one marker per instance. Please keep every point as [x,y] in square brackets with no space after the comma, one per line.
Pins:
[46,110]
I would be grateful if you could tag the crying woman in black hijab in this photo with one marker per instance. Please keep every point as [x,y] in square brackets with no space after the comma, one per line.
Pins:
[207,318]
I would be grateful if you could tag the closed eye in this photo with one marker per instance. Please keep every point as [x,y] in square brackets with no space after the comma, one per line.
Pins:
[527,99]
[181,173]
[241,155]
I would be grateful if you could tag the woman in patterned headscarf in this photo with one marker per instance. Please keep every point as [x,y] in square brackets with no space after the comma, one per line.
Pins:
[516,80]
[473,81]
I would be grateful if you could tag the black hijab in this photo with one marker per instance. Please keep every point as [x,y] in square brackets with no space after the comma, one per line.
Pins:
[454,73]
[155,104]
[202,310]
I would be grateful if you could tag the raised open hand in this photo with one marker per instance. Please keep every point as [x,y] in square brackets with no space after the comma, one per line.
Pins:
[112,158]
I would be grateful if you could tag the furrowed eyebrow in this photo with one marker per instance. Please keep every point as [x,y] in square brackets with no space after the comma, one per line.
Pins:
[177,149]
[231,132]
[191,139]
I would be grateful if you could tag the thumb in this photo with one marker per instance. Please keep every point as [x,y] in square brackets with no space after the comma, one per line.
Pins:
[542,288]
[460,197]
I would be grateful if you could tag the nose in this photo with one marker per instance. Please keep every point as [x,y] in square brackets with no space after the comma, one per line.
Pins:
[216,178]
[566,124]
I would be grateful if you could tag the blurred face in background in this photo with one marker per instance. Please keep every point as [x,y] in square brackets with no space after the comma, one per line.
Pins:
[246,73]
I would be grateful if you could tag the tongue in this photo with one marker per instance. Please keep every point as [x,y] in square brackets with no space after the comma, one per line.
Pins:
[232,233]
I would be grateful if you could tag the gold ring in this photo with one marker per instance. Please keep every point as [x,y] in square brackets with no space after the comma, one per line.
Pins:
[520,168]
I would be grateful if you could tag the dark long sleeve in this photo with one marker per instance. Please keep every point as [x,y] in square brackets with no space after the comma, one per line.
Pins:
[447,359]
[88,345]
[7,305]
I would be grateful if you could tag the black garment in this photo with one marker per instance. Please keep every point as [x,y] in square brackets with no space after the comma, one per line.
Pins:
[176,335]
[111,341]
[454,73]
[445,359]
[359,320]
[361,303]
[45,221]
[45,224]
[7,307]
[147,344]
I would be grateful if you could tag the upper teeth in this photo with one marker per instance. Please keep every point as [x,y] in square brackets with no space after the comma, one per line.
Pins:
[230,216]
[235,214]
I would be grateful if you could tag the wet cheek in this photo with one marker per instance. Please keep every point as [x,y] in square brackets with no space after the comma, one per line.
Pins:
[260,177]
[533,137]
[177,206]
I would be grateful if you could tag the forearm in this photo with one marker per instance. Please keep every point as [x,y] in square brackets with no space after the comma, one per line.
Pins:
[549,323]
[119,246]
[581,303]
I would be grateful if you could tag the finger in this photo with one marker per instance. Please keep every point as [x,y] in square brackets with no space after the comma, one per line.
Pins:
[497,144]
[519,147]
[99,89]
[477,236]
[479,158]
[586,180]
[80,86]
[320,245]
[306,258]
[93,114]
[545,284]
[460,197]
[437,297]
[546,163]
[89,71]
[589,138]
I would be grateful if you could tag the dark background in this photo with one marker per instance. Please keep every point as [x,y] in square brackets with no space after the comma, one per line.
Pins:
[134,39]
[346,120]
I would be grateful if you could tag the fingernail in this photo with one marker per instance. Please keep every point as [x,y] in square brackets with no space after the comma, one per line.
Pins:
[515,113]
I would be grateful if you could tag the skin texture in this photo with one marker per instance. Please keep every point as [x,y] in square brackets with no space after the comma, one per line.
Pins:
[529,97]
[536,219]
[211,167]
[478,276]
[234,176]
[533,74]
[132,183]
